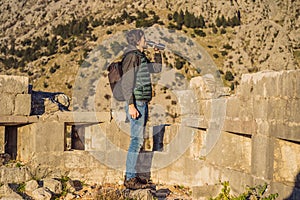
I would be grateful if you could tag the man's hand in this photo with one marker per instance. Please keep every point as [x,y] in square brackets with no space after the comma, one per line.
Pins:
[133,112]
[156,50]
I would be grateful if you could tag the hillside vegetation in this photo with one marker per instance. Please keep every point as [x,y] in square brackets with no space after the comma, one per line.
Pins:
[48,40]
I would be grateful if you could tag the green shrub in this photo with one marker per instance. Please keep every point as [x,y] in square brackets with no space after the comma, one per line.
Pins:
[179,63]
[227,46]
[215,55]
[257,192]
[223,31]
[229,76]
[200,32]
[224,53]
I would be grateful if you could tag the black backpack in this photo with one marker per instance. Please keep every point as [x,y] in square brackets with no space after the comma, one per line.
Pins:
[115,73]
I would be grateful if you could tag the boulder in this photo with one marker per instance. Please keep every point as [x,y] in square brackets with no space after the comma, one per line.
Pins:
[41,194]
[53,185]
[31,185]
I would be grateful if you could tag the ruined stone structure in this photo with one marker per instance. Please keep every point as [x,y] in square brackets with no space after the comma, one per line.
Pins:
[248,138]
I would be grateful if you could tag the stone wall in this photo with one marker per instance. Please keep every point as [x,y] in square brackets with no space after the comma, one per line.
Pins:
[248,138]
[14,99]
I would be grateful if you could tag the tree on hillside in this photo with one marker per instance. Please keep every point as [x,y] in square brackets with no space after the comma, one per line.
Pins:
[187,19]
[180,20]
[218,22]
[175,16]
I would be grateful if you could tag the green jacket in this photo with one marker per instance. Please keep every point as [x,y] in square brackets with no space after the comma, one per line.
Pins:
[136,80]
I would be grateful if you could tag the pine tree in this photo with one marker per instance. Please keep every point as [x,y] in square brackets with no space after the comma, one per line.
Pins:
[175,16]
[218,22]
[202,22]
[180,20]
[223,21]
[187,19]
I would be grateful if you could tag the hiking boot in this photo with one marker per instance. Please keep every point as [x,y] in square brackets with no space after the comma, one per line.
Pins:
[134,184]
[147,181]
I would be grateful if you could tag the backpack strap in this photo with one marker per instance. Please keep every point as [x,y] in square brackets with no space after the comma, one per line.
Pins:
[136,52]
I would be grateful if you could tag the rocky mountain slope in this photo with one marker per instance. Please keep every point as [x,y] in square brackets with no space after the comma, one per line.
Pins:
[267,37]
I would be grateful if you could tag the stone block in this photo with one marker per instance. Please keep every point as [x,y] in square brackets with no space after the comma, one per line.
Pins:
[288,83]
[263,127]
[14,175]
[84,117]
[6,193]
[277,109]
[286,162]
[53,185]
[205,108]
[260,108]
[22,104]
[144,194]
[40,137]
[287,131]
[2,139]
[206,191]
[26,142]
[187,102]
[285,191]
[13,84]
[233,107]
[31,185]
[41,193]
[7,104]
[238,180]
[297,88]
[294,108]
[240,108]
[262,156]
[271,86]
[240,126]
[245,88]
[225,152]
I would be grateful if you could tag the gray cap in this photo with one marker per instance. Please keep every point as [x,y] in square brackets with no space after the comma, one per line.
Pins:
[134,36]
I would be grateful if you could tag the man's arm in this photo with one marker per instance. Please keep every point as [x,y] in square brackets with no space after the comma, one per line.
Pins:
[129,65]
[130,68]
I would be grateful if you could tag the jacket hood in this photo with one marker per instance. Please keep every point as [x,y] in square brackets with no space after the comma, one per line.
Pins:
[130,48]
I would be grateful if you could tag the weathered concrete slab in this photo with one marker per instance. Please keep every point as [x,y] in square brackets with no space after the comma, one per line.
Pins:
[40,137]
[286,162]
[15,120]
[206,191]
[237,125]
[22,104]
[84,117]
[2,139]
[8,174]
[285,130]
[285,191]
[262,156]
[13,84]
[225,152]
[7,104]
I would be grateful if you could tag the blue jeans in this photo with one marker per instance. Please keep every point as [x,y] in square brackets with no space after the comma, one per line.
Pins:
[137,129]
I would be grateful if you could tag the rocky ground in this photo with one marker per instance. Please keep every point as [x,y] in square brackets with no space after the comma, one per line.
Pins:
[67,189]
[43,185]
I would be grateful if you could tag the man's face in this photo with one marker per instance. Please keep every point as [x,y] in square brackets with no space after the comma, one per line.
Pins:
[142,42]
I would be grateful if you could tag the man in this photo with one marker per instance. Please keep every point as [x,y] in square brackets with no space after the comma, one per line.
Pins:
[137,90]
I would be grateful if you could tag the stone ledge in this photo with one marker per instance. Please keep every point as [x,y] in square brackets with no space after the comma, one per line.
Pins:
[16,120]
[84,117]
[195,122]
[235,125]
[286,131]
